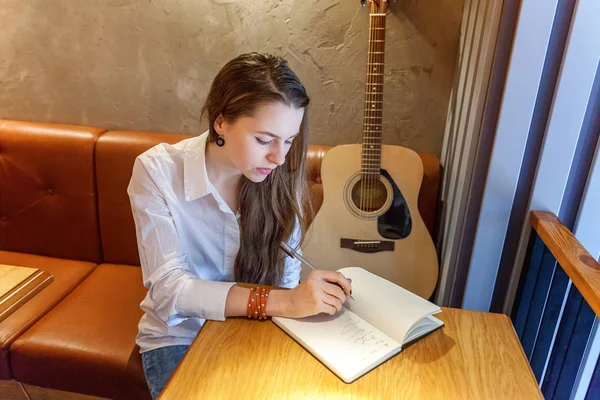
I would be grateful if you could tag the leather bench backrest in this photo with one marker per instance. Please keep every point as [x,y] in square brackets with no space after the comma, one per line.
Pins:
[116,152]
[47,190]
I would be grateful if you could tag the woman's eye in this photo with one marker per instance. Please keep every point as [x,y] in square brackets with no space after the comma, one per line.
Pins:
[288,142]
[262,141]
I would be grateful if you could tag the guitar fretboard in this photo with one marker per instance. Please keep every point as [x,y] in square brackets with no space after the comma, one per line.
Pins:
[371,150]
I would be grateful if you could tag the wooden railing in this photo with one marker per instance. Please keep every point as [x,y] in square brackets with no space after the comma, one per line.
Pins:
[575,260]
[556,305]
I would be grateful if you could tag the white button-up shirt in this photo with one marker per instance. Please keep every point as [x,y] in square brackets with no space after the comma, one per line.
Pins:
[188,239]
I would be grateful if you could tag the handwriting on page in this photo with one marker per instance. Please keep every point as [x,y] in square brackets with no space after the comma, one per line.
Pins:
[361,338]
[344,342]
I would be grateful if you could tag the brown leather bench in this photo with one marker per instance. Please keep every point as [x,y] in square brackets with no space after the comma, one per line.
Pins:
[64,209]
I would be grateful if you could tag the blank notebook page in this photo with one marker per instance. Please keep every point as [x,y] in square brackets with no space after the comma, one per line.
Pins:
[345,342]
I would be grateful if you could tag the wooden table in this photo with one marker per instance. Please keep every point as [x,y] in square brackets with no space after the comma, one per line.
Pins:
[19,284]
[474,356]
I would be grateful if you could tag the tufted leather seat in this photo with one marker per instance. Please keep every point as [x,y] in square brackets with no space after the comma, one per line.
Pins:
[78,334]
[46,183]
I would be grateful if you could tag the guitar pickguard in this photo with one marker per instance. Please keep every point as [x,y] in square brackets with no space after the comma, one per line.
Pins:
[396,222]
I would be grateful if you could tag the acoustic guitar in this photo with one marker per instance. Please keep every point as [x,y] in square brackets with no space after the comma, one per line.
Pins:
[369,216]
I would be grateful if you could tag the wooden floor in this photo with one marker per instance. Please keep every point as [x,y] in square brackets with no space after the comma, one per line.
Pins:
[13,390]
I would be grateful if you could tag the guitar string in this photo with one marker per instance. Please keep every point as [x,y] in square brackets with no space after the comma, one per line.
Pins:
[370,153]
[370,98]
[364,148]
[376,112]
[374,107]
[380,95]
[371,108]
[381,55]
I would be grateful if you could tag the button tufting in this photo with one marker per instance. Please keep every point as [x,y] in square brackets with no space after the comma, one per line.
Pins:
[50,191]
[3,218]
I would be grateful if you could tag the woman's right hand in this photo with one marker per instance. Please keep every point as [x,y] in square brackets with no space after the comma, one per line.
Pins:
[318,294]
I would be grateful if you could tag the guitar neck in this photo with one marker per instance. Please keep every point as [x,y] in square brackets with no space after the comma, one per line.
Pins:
[371,150]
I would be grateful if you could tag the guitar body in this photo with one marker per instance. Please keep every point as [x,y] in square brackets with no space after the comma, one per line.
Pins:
[389,238]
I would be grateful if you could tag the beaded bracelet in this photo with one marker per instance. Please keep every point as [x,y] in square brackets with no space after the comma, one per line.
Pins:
[257,303]
[250,304]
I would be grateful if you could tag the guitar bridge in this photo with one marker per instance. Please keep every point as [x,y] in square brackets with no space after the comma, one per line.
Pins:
[367,246]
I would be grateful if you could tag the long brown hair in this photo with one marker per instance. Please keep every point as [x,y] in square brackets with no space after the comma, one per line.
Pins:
[269,209]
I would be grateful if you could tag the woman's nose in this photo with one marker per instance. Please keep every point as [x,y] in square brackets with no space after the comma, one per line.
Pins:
[277,156]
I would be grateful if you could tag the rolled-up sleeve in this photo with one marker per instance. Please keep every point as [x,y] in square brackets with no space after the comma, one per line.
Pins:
[174,292]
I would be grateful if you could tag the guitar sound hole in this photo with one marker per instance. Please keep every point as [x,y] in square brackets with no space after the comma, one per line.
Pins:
[369,195]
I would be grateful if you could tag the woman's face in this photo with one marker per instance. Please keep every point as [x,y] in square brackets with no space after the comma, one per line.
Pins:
[258,144]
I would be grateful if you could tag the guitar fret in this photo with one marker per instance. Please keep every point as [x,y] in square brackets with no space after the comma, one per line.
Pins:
[375,52]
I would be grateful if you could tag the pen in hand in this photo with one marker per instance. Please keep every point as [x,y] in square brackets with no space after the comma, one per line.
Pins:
[290,252]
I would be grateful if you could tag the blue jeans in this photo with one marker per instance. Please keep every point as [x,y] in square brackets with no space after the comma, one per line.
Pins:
[159,365]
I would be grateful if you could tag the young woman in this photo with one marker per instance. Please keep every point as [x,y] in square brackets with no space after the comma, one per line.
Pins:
[213,210]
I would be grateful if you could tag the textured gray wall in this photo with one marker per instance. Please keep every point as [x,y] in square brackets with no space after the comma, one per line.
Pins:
[147,64]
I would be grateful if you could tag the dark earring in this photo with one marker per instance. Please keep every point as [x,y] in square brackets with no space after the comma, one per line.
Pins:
[220,141]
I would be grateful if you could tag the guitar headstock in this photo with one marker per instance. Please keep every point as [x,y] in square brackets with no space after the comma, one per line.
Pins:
[376,6]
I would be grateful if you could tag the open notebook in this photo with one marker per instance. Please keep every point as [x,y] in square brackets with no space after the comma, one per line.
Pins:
[381,320]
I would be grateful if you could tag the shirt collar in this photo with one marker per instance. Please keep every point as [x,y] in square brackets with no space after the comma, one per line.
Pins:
[195,178]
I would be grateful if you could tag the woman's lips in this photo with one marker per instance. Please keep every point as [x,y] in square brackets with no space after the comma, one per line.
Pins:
[264,171]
